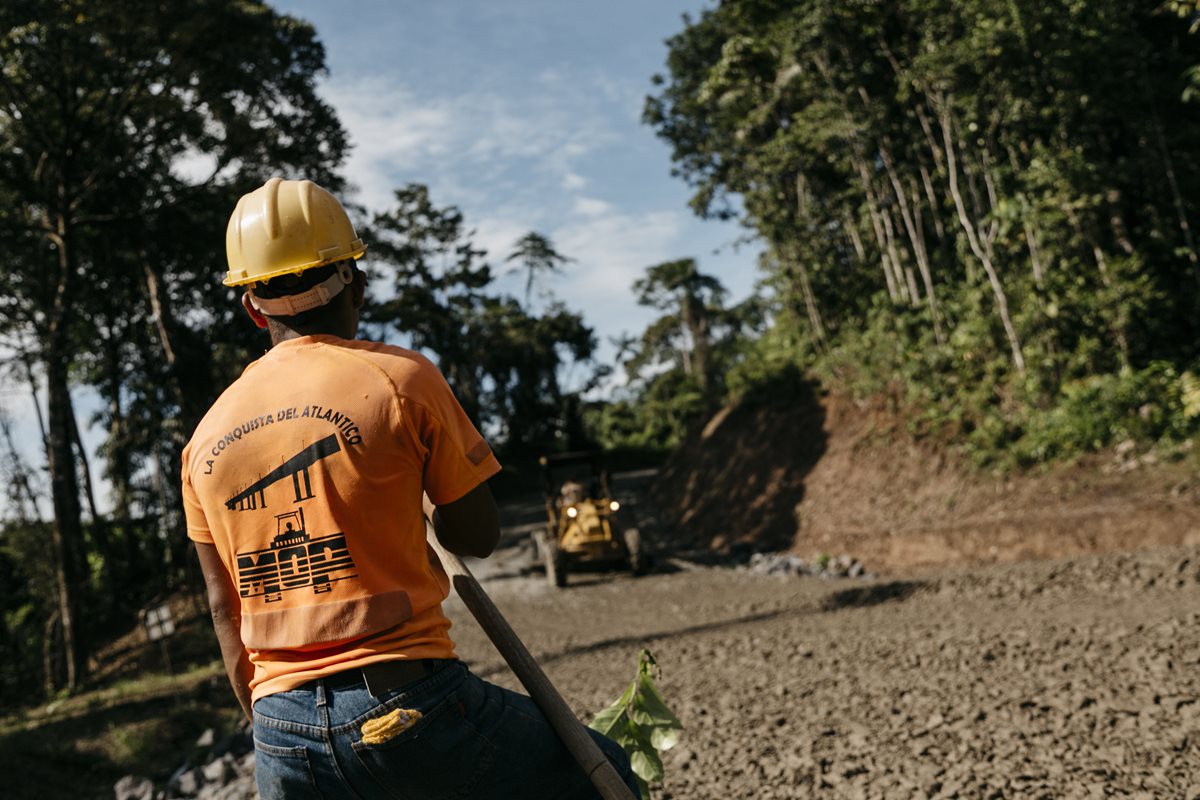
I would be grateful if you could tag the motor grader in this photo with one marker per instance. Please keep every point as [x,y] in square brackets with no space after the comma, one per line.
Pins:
[585,525]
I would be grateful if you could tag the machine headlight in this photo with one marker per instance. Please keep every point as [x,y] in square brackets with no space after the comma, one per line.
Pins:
[572,512]
[614,505]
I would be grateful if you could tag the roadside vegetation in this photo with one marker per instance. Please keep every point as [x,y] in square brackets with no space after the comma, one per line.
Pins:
[982,212]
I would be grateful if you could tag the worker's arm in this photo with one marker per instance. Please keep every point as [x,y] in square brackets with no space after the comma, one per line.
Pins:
[226,607]
[470,526]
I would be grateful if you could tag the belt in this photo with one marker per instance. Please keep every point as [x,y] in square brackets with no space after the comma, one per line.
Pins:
[386,676]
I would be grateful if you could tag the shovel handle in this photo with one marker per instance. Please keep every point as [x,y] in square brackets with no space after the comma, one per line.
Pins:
[580,744]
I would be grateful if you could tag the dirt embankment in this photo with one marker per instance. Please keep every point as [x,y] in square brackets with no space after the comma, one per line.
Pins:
[791,469]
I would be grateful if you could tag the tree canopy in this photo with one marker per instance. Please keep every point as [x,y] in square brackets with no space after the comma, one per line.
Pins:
[973,207]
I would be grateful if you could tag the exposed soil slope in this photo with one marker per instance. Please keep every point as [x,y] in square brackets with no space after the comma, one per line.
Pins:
[792,469]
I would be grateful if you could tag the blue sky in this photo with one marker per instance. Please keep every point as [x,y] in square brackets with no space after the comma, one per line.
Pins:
[527,115]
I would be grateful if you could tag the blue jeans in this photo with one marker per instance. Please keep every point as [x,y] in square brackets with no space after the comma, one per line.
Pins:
[471,739]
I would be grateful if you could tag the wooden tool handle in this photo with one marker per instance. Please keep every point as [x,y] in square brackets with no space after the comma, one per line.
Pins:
[602,773]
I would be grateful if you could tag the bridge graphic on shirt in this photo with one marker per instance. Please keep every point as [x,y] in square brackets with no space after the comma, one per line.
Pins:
[294,560]
[254,496]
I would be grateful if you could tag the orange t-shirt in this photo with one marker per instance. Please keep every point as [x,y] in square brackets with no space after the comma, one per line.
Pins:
[306,475]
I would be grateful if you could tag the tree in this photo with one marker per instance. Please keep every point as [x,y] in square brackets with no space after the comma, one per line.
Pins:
[677,368]
[99,103]
[536,254]
[438,281]
[693,304]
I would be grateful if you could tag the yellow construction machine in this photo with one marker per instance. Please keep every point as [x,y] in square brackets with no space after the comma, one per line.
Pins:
[585,524]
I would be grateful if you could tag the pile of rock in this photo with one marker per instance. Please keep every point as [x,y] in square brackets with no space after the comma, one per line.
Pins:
[842,566]
[220,770]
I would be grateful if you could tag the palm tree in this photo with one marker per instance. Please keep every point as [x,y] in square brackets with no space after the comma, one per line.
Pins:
[537,256]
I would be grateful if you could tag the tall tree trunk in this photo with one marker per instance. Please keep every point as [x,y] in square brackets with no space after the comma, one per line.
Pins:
[855,239]
[891,271]
[1121,321]
[934,207]
[85,467]
[1115,312]
[811,308]
[99,532]
[976,245]
[1029,227]
[1168,164]
[50,666]
[27,360]
[916,237]
[1032,238]
[67,531]
[119,467]
[184,375]
[910,281]
[695,319]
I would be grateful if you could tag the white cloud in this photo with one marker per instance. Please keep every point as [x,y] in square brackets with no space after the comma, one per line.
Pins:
[461,141]
[611,251]
[573,181]
[497,235]
[591,206]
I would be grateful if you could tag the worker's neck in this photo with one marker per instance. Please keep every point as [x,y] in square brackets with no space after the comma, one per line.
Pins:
[281,333]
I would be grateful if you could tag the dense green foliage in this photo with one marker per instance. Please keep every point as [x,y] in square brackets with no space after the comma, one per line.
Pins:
[980,209]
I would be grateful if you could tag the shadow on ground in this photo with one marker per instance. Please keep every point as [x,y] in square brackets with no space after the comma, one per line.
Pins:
[863,596]
[644,638]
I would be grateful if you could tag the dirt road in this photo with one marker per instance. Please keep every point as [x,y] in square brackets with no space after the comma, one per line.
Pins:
[1077,678]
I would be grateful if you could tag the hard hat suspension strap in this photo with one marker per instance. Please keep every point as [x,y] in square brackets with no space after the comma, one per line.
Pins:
[315,297]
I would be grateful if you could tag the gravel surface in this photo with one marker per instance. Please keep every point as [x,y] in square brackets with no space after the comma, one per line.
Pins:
[1074,678]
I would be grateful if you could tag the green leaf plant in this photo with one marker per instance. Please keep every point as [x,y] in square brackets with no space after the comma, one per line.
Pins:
[642,724]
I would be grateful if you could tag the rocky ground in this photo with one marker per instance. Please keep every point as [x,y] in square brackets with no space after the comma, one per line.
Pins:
[1073,678]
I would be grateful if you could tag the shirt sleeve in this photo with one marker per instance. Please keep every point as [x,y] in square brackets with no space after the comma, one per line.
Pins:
[197,524]
[457,458]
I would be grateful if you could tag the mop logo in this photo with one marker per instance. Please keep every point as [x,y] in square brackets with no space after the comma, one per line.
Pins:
[294,561]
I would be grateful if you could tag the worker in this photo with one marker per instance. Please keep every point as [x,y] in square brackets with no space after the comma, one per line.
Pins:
[306,487]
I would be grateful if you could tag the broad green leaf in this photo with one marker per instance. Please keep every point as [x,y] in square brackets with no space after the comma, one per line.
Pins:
[646,764]
[664,739]
[615,716]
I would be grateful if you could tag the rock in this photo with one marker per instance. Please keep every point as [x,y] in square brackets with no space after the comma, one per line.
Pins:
[207,738]
[219,771]
[134,787]
[190,782]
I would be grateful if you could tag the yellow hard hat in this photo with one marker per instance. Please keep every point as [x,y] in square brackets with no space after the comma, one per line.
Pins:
[285,227]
